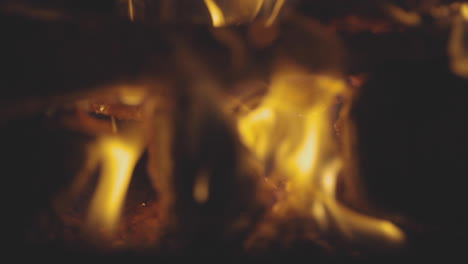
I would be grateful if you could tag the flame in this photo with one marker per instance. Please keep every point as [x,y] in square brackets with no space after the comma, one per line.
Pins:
[464,11]
[457,47]
[352,224]
[216,13]
[291,129]
[261,119]
[239,11]
[275,12]
[305,158]
[131,14]
[118,158]
[201,188]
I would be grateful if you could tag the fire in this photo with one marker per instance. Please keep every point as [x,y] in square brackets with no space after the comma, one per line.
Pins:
[457,43]
[464,10]
[275,12]
[352,224]
[131,13]
[233,12]
[119,155]
[216,13]
[291,132]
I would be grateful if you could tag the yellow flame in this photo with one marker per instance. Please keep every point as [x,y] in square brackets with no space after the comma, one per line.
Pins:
[329,178]
[131,14]
[457,47]
[258,7]
[217,16]
[356,226]
[306,155]
[119,156]
[464,10]
[292,127]
[320,214]
[252,129]
[263,114]
[274,14]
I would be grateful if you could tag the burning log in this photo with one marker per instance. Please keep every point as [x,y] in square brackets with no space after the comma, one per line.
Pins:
[209,174]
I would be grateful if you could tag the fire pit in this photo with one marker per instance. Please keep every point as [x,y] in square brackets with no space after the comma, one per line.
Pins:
[235,128]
